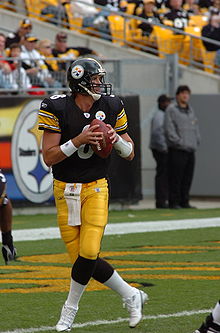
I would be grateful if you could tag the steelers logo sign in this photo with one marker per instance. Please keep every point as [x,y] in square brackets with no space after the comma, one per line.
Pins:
[77,72]
[100,115]
[32,176]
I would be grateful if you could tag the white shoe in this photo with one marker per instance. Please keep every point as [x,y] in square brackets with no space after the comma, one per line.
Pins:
[67,317]
[134,305]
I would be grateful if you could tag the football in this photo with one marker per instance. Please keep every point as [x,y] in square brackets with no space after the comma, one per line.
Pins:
[104,148]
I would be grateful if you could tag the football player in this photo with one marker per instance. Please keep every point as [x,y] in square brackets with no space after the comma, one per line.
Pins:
[81,187]
[8,250]
[212,322]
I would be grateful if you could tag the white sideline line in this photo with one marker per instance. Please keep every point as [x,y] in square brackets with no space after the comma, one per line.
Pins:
[110,322]
[121,228]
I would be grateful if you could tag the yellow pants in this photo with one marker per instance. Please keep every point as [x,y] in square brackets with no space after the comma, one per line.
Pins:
[85,239]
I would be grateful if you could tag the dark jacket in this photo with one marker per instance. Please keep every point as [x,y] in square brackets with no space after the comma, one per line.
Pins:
[211,32]
[181,128]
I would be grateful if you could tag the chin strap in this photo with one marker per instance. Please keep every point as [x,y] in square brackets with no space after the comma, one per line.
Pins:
[94,96]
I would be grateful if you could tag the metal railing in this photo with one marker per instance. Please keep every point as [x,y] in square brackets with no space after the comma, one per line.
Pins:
[18,82]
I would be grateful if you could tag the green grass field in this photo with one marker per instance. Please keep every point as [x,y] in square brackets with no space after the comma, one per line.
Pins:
[178,269]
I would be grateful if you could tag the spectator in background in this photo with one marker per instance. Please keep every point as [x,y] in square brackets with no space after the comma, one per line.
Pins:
[212,322]
[5,70]
[8,250]
[183,138]
[204,5]
[212,31]
[18,76]
[54,10]
[32,60]
[158,146]
[177,17]
[24,29]
[192,7]
[45,49]
[92,17]
[33,63]
[214,9]
[84,9]
[65,53]
[113,5]
[149,14]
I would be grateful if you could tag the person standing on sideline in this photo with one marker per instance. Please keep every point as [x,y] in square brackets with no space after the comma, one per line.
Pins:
[158,146]
[8,250]
[81,186]
[212,322]
[183,138]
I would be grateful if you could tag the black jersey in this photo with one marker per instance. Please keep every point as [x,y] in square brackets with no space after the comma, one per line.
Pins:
[60,114]
[151,19]
[13,37]
[179,17]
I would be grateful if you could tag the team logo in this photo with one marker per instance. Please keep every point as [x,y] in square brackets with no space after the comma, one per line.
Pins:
[77,72]
[31,173]
[100,115]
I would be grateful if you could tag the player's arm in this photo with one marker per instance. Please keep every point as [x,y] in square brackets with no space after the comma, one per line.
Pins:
[123,144]
[54,153]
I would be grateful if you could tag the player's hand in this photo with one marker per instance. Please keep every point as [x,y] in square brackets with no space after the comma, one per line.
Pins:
[88,136]
[112,133]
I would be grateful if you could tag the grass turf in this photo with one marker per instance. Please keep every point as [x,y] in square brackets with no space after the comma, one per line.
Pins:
[178,269]
[42,220]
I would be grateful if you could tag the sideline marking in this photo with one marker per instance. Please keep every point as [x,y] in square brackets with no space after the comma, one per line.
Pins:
[121,228]
[109,322]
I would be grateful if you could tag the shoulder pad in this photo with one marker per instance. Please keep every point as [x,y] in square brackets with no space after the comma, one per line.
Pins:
[55,101]
[57,96]
[114,102]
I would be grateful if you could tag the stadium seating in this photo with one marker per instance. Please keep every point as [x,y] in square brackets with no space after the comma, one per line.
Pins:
[125,31]
[130,8]
[135,35]
[7,5]
[34,8]
[199,51]
[118,27]
[198,20]
[167,41]
[75,23]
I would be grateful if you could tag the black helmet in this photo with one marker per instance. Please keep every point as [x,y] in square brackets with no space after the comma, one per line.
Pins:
[79,77]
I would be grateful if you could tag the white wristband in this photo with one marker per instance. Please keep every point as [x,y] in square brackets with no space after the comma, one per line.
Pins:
[68,148]
[122,147]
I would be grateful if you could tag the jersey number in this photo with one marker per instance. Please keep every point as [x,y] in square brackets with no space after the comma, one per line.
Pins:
[85,151]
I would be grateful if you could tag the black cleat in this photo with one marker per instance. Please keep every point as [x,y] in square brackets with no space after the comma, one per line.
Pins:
[208,326]
[8,253]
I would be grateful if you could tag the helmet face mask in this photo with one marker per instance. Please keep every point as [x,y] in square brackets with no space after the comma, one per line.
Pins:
[101,88]
[86,76]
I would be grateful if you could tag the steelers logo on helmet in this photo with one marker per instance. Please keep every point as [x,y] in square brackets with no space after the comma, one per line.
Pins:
[80,76]
[100,115]
[77,72]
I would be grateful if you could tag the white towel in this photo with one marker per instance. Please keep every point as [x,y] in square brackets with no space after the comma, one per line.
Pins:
[72,195]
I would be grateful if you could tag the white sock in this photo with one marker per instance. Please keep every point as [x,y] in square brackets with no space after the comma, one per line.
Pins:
[75,293]
[216,313]
[116,283]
